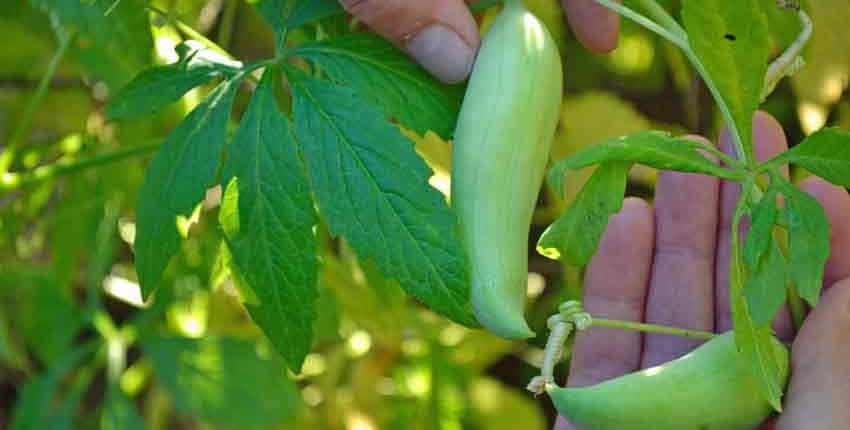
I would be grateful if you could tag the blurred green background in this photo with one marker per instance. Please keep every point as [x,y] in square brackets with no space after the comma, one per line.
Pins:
[80,350]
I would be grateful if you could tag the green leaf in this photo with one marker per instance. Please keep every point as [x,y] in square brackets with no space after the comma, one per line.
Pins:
[760,235]
[826,153]
[373,189]
[155,89]
[176,181]
[306,11]
[268,218]
[224,381]
[766,288]
[37,406]
[731,40]
[159,86]
[651,148]
[119,412]
[755,342]
[113,47]
[378,71]
[808,240]
[576,234]
[48,318]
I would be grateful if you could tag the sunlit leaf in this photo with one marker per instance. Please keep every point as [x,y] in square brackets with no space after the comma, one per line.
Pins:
[381,73]
[731,40]
[651,148]
[826,153]
[159,86]
[356,158]
[808,240]
[176,181]
[268,217]
[576,234]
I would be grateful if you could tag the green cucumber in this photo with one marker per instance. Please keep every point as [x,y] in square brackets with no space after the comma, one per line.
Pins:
[710,388]
[501,148]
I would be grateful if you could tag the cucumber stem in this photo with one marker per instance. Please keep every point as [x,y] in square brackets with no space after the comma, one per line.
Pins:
[653,328]
[571,318]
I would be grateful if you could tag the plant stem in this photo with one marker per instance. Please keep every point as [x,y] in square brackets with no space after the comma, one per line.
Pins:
[681,41]
[8,155]
[652,328]
[790,60]
[662,17]
[647,23]
[742,154]
[13,181]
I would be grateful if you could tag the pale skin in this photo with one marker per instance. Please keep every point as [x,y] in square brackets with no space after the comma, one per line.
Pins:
[666,264]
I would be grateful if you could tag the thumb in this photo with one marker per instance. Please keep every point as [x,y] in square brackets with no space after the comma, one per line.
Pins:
[441,35]
[820,375]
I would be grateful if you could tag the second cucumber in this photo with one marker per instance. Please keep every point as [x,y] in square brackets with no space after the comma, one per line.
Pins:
[501,148]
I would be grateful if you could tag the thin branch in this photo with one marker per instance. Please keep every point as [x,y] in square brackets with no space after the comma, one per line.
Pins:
[647,23]
[662,17]
[8,155]
[13,181]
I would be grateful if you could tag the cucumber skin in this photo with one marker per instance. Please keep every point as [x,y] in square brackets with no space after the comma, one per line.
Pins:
[501,148]
[708,389]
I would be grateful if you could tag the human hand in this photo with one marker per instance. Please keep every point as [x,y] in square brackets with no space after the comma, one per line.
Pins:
[442,35]
[669,265]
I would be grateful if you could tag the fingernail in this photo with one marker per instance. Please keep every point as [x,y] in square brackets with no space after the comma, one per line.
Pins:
[443,53]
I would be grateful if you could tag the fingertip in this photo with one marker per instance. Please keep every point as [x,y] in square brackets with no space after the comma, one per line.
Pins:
[636,215]
[820,369]
[838,298]
[441,35]
[826,326]
[442,52]
[596,27]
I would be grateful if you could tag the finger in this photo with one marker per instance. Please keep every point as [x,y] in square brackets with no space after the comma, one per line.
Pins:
[681,292]
[819,389]
[440,34]
[594,25]
[615,287]
[836,204]
[768,141]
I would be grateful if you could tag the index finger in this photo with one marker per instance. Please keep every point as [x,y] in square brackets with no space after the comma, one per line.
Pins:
[596,27]
[615,287]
